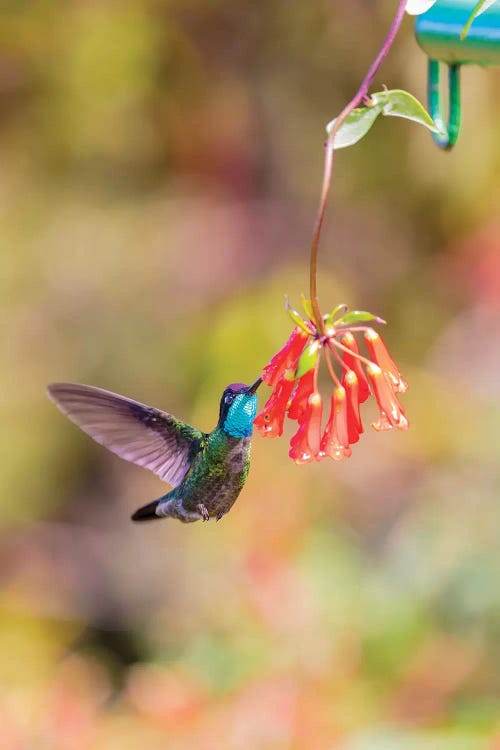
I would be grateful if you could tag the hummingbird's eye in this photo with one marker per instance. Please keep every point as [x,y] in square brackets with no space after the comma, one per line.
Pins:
[229,398]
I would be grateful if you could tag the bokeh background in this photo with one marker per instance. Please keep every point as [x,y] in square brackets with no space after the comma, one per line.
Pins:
[160,169]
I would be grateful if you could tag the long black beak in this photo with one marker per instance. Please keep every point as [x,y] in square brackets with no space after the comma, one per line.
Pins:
[252,388]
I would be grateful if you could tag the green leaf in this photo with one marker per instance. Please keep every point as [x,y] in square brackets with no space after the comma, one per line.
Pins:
[296,317]
[306,304]
[358,316]
[393,103]
[399,103]
[417,7]
[479,8]
[308,358]
[355,126]
[331,317]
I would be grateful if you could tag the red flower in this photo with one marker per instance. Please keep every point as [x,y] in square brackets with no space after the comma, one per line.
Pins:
[286,358]
[358,379]
[391,412]
[335,441]
[270,420]
[381,357]
[354,363]
[306,443]
[305,387]
[354,423]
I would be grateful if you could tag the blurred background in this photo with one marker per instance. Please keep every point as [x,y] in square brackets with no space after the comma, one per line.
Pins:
[160,169]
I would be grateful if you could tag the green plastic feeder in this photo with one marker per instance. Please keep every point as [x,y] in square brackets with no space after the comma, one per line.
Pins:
[438,34]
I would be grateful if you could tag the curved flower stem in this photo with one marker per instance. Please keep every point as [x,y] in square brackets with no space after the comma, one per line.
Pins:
[339,358]
[360,95]
[332,372]
[333,342]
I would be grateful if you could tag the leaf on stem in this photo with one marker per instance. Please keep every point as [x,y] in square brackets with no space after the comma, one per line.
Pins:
[355,126]
[308,308]
[329,319]
[479,8]
[416,7]
[296,317]
[358,316]
[393,103]
[399,103]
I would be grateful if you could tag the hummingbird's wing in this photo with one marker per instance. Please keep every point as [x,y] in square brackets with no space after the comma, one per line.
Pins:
[136,432]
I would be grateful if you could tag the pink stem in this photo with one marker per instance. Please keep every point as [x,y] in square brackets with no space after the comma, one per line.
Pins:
[328,167]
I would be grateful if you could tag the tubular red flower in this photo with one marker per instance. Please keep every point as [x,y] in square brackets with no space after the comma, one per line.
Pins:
[299,447]
[269,421]
[286,358]
[391,411]
[314,413]
[335,440]
[353,363]
[305,386]
[305,444]
[380,355]
[354,423]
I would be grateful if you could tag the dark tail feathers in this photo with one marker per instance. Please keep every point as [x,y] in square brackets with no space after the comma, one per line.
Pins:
[147,512]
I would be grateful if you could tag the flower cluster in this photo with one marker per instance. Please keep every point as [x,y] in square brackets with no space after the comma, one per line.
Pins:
[293,375]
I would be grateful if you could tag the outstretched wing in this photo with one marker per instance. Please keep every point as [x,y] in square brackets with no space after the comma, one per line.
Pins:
[136,432]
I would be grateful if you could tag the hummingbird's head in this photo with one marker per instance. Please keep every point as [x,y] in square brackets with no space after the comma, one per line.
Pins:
[238,408]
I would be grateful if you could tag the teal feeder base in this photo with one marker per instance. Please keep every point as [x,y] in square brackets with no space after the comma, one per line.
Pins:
[438,33]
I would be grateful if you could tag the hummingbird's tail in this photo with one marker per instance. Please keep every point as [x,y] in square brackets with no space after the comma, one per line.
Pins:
[147,512]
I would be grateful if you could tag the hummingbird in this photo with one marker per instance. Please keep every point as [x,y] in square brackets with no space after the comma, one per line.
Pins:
[206,470]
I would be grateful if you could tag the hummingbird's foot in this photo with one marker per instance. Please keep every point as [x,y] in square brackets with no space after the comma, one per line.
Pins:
[219,516]
[203,512]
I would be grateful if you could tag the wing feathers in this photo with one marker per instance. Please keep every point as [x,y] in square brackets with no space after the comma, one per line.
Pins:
[138,433]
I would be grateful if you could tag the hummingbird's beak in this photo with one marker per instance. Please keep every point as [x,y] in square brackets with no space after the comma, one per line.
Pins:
[252,388]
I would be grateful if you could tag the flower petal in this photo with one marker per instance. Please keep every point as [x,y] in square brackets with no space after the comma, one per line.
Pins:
[314,414]
[391,411]
[269,421]
[305,386]
[354,363]
[335,441]
[354,423]
[306,443]
[286,358]
[299,447]
[380,355]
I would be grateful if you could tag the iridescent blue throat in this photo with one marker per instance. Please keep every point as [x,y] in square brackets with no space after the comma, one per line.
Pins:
[240,416]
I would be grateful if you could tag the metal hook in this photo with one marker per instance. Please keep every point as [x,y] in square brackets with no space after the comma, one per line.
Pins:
[452,128]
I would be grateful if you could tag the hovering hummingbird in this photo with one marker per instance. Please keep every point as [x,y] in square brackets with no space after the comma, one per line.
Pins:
[207,471]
